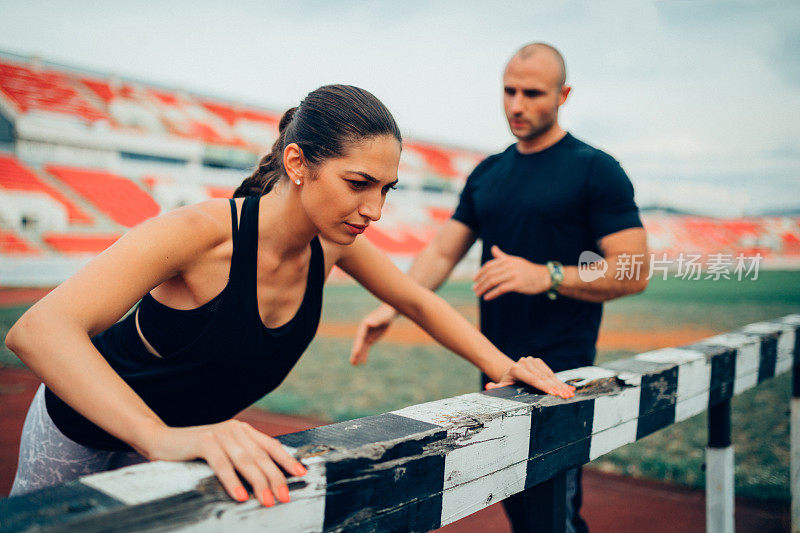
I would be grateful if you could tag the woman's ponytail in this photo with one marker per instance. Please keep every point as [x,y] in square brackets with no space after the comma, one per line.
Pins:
[270,168]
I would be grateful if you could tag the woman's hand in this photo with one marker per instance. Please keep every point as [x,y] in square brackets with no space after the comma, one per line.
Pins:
[536,373]
[229,447]
[371,328]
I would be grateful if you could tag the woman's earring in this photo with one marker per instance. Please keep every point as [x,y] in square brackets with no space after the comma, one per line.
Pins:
[297,181]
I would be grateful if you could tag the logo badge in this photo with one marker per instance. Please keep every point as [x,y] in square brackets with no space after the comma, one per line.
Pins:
[591,266]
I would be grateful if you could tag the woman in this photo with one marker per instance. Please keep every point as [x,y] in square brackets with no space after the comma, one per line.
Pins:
[231,294]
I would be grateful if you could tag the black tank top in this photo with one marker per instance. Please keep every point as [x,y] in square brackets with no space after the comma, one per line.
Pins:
[227,358]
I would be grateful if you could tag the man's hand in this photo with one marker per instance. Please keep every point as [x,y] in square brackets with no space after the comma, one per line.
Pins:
[371,328]
[509,273]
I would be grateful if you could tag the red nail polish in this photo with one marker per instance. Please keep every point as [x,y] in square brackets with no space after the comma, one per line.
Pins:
[300,470]
[240,493]
[267,498]
[283,494]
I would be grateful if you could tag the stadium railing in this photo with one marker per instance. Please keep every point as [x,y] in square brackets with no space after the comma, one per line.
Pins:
[428,465]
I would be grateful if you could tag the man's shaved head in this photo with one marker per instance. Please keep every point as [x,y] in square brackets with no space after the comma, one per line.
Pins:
[534,87]
[539,48]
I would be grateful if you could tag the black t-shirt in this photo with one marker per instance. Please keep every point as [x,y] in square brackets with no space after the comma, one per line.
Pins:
[546,206]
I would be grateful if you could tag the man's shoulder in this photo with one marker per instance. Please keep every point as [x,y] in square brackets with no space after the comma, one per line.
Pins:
[581,148]
[590,153]
[491,161]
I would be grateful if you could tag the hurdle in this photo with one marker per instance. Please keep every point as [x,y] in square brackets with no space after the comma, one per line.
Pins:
[428,465]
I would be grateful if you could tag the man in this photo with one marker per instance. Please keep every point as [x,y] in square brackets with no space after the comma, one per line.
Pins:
[537,206]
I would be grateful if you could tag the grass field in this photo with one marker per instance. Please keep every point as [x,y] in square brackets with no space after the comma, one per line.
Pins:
[402,373]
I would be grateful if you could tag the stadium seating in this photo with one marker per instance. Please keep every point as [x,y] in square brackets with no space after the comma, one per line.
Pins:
[15,176]
[186,119]
[172,148]
[257,128]
[119,198]
[77,243]
[47,90]
[157,110]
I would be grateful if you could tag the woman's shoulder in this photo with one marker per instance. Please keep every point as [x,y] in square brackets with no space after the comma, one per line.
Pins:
[206,223]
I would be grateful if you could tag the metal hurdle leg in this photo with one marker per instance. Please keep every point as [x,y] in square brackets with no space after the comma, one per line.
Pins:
[719,470]
[795,441]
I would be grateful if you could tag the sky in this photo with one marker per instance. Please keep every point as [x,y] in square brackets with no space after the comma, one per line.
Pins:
[698,100]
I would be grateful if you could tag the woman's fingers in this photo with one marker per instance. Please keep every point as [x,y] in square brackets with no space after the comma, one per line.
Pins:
[535,372]
[270,481]
[360,349]
[235,446]
[222,466]
[492,385]
[270,455]
[276,452]
[245,462]
[370,329]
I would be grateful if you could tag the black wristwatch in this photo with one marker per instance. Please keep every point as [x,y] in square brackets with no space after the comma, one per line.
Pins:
[556,270]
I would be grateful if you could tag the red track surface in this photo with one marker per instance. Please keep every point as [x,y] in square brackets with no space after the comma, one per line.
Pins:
[611,503]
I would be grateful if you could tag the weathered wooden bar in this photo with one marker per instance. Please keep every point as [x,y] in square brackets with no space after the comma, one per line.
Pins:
[424,466]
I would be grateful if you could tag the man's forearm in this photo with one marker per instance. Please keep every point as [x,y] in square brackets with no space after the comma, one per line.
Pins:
[618,280]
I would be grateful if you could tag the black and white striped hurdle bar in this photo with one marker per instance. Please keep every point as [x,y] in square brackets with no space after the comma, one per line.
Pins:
[428,465]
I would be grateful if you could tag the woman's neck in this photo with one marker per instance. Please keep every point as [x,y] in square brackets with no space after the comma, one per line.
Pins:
[283,225]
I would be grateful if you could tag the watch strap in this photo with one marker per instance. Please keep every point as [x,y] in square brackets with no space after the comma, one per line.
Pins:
[556,271]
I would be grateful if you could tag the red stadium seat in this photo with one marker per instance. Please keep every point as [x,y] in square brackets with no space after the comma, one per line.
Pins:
[166,98]
[101,89]
[17,177]
[76,243]
[219,192]
[791,244]
[118,197]
[13,244]
[439,215]
[403,244]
